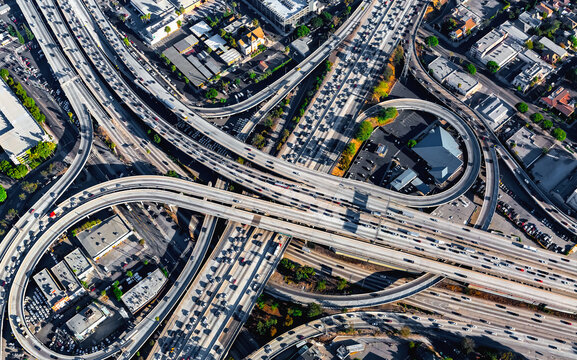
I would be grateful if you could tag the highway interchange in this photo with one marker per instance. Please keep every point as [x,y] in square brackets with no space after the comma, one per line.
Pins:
[327,210]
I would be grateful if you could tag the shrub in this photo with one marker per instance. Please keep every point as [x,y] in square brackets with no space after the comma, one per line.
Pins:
[365,131]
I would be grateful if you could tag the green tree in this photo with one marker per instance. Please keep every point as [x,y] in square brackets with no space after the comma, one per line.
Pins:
[103,293]
[167,30]
[4,73]
[411,144]
[405,331]
[327,16]
[341,284]
[547,124]
[129,273]
[536,117]
[493,66]
[317,22]
[3,194]
[303,31]
[432,41]
[529,44]
[522,107]
[471,69]
[468,345]
[156,138]
[172,173]
[321,285]
[559,134]
[211,94]
[314,310]
[364,132]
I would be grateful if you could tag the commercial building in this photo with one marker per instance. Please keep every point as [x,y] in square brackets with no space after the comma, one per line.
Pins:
[186,44]
[100,239]
[441,152]
[531,75]
[251,41]
[503,53]
[67,280]
[187,5]
[143,292]
[561,100]
[201,68]
[235,24]
[85,322]
[300,48]
[403,179]
[495,110]
[4,9]
[488,43]
[201,30]
[450,75]
[514,32]
[54,294]
[78,263]
[185,67]
[572,200]
[286,14]
[553,52]
[344,352]
[230,56]
[527,146]
[527,21]
[162,17]
[215,42]
[19,132]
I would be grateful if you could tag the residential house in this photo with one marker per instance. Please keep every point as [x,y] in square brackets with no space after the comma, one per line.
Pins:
[561,100]
[463,30]
[251,41]
[543,9]
[553,52]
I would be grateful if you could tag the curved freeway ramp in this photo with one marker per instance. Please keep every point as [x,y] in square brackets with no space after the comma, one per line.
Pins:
[356,300]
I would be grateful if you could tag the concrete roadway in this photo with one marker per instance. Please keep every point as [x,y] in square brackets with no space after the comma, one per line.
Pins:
[96,203]
[430,326]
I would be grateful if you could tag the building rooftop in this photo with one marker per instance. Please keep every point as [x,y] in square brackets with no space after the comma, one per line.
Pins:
[462,81]
[285,9]
[153,7]
[200,28]
[49,287]
[553,47]
[421,186]
[488,41]
[528,146]
[78,262]
[18,129]
[442,68]
[514,32]
[214,66]
[301,46]
[230,55]
[560,99]
[184,66]
[66,277]
[85,320]
[503,53]
[144,291]
[214,42]
[186,44]
[495,110]
[103,236]
[403,179]
[441,152]
[197,64]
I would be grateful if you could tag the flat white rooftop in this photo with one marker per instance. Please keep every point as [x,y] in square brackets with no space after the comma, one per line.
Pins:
[144,291]
[152,7]
[285,9]
[18,129]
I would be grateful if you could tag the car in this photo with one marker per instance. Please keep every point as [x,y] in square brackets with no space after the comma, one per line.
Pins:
[32,211]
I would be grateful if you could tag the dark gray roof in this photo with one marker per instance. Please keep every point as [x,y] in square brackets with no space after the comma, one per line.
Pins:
[441,152]
[184,66]
[214,66]
[198,65]
[186,43]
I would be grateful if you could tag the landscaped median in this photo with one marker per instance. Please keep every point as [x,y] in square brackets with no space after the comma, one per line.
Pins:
[383,117]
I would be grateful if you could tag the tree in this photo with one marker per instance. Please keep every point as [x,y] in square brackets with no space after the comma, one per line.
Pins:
[167,30]
[3,194]
[522,107]
[493,66]
[411,144]
[321,285]
[547,124]
[341,284]
[4,73]
[529,44]
[317,22]
[178,23]
[468,345]
[103,292]
[255,22]
[211,94]
[539,46]
[405,331]
[365,131]
[156,138]
[471,69]
[536,117]
[172,173]
[129,273]
[303,31]
[559,134]
[328,17]
[314,310]
[432,41]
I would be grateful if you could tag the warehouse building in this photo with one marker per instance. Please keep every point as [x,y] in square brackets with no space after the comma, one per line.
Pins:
[85,322]
[441,152]
[67,280]
[185,67]
[54,294]
[78,263]
[488,43]
[450,75]
[103,237]
[495,110]
[162,15]
[186,44]
[19,132]
[143,292]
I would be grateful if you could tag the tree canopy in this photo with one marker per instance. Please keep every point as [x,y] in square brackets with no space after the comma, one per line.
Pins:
[559,134]
[3,194]
[522,107]
[536,117]
[471,69]
[365,131]
[493,66]
[432,41]
[303,31]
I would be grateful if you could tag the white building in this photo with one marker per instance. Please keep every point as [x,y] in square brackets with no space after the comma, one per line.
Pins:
[531,75]
[144,291]
[488,43]
[162,17]
[286,14]
[450,75]
[19,132]
[85,322]
[503,53]
[495,110]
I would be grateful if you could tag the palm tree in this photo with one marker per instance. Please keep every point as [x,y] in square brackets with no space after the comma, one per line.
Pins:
[167,30]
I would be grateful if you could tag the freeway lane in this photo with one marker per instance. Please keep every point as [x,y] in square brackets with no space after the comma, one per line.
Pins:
[390,321]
